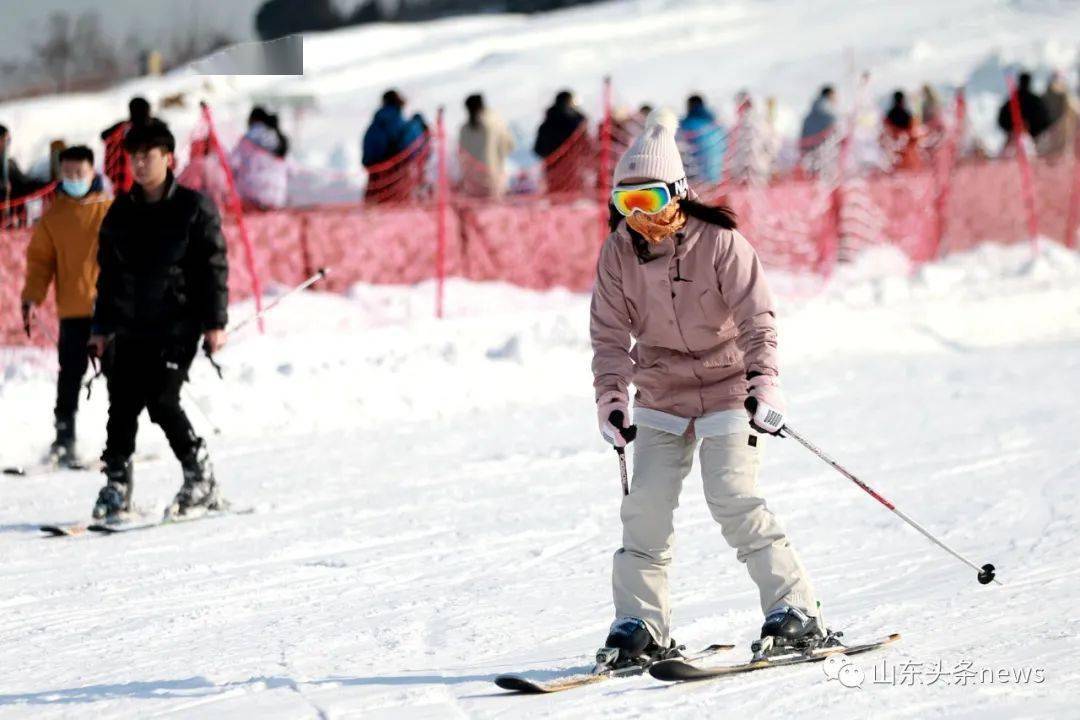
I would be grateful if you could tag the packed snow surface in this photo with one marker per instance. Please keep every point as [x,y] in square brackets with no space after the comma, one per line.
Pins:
[434,506]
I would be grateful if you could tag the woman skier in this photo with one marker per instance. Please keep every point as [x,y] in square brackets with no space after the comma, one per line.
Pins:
[676,277]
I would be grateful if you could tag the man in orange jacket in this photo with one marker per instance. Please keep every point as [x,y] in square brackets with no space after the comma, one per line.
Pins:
[64,246]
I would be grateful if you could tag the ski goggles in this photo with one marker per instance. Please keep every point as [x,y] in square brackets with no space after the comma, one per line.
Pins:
[648,198]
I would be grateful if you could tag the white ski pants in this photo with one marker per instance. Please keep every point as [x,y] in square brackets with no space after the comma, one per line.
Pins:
[729,467]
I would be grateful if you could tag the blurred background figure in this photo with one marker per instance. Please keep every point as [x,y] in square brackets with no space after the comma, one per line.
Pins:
[563,143]
[13,183]
[1032,112]
[704,142]
[258,162]
[390,137]
[117,162]
[484,145]
[754,145]
[64,249]
[900,134]
[1063,111]
[818,130]
[932,114]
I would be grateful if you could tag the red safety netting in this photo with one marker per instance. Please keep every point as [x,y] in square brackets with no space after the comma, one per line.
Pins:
[25,210]
[829,197]
[117,162]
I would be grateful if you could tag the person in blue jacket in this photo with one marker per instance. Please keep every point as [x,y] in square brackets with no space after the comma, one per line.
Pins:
[704,141]
[389,135]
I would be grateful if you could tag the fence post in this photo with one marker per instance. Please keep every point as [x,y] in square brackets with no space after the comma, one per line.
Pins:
[943,168]
[605,169]
[442,188]
[1026,181]
[237,210]
[1072,225]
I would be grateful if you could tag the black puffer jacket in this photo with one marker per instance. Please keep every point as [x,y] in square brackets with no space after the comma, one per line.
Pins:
[1032,112]
[164,270]
[559,124]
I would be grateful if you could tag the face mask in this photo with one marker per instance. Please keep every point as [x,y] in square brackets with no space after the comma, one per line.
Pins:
[75,188]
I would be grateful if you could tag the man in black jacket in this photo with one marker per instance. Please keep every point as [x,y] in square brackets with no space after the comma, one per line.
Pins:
[1032,111]
[163,284]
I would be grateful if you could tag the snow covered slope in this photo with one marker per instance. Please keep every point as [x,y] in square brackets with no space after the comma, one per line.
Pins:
[655,50]
[435,507]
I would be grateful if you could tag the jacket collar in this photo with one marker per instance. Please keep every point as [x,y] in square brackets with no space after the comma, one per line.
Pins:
[170,189]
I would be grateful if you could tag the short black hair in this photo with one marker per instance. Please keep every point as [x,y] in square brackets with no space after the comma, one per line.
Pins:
[155,134]
[695,101]
[3,130]
[259,114]
[827,91]
[564,98]
[392,98]
[77,153]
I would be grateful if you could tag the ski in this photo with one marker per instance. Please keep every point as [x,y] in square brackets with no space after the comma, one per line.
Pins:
[682,670]
[123,527]
[74,529]
[132,523]
[521,684]
[51,466]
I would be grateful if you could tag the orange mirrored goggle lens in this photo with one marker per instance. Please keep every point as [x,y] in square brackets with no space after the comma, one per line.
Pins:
[649,200]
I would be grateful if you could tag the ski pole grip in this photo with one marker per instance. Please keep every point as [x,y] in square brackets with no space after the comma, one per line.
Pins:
[616,420]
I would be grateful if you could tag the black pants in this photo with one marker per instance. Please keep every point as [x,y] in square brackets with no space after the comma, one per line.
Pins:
[71,348]
[148,373]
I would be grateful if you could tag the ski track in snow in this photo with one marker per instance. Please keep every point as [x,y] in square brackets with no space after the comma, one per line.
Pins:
[409,548]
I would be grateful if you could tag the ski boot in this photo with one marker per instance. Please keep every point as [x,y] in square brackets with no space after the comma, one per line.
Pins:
[62,450]
[630,644]
[788,630]
[114,500]
[199,492]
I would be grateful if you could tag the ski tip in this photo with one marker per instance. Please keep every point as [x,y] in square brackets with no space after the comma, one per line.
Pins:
[668,670]
[516,683]
[63,530]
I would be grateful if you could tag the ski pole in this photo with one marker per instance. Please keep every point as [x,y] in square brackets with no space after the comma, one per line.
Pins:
[299,288]
[986,572]
[251,318]
[629,433]
[202,411]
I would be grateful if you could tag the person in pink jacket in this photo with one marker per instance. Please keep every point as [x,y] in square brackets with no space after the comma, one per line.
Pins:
[681,311]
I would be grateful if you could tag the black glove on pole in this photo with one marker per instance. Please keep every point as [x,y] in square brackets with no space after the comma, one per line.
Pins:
[628,434]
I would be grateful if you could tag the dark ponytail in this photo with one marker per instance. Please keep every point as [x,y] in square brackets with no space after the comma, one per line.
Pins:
[720,215]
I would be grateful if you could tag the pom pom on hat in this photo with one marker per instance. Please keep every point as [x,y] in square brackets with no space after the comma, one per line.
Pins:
[664,118]
[654,154]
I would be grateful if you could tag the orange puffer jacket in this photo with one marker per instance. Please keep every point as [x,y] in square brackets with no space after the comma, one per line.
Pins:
[64,245]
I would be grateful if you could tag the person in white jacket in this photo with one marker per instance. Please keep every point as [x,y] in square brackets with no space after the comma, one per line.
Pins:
[485,144]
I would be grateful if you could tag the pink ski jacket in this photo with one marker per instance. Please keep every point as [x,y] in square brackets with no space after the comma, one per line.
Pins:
[699,311]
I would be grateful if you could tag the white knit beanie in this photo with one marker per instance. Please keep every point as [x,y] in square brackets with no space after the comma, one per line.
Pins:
[654,154]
